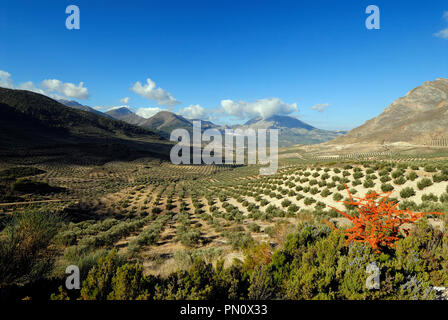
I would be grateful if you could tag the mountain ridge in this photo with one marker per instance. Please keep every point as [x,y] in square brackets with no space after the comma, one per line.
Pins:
[418,117]
[31,122]
[124,114]
[76,105]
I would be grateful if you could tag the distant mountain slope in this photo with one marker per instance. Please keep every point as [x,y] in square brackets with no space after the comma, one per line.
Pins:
[164,122]
[277,121]
[126,115]
[291,130]
[30,121]
[78,106]
[418,117]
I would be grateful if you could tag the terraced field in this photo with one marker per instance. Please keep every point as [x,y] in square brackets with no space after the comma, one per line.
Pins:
[165,215]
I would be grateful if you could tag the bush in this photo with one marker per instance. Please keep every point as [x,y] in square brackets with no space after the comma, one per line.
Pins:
[24,254]
[440,177]
[385,187]
[423,183]
[400,180]
[444,198]
[407,192]
[253,227]
[308,201]
[189,238]
[239,240]
[397,173]
[325,193]
[412,176]
[368,184]
[430,197]
[358,175]
[286,203]
[337,196]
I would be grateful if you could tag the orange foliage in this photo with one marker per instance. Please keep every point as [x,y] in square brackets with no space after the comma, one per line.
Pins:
[378,221]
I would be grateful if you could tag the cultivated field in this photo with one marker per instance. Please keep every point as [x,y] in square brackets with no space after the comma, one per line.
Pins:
[165,215]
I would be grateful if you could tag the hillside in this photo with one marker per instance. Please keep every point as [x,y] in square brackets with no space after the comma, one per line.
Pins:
[418,118]
[292,130]
[78,106]
[164,122]
[126,115]
[31,123]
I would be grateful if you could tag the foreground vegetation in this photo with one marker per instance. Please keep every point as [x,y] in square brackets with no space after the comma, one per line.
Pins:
[151,230]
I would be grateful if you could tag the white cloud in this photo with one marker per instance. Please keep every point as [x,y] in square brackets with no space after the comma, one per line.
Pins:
[49,87]
[320,107]
[444,32]
[68,89]
[263,107]
[125,100]
[102,108]
[149,91]
[195,111]
[5,80]
[29,85]
[108,108]
[148,112]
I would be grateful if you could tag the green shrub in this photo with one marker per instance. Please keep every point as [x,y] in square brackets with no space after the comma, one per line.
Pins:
[423,183]
[368,184]
[397,173]
[337,196]
[308,201]
[430,197]
[385,187]
[358,175]
[24,254]
[440,177]
[286,203]
[444,198]
[400,180]
[325,193]
[253,227]
[412,176]
[407,192]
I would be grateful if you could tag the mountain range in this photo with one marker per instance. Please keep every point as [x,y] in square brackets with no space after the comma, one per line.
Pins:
[31,121]
[417,118]
[126,115]
[292,130]
[35,125]
[78,106]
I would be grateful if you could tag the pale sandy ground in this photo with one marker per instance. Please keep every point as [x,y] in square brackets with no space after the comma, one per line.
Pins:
[437,189]
[153,255]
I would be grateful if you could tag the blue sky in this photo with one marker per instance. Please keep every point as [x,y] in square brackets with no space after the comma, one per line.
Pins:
[253,57]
